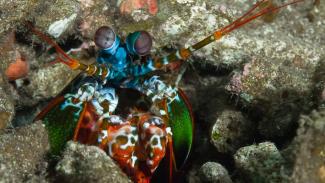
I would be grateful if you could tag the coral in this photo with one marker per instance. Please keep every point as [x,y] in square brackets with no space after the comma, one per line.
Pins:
[127,6]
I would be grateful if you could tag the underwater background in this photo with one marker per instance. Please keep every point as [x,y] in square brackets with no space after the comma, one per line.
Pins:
[257,95]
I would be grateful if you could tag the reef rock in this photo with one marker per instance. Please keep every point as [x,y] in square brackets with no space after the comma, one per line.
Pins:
[22,152]
[49,81]
[7,110]
[212,172]
[13,12]
[56,17]
[82,163]
[261,163]
[231,131]
[309,163]
[278,79]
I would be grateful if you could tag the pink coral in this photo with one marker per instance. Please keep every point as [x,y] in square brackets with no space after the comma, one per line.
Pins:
[127,6]
[235,85]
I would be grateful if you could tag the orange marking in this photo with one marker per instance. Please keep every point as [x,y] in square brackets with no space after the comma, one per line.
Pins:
[218,35]
[185,53]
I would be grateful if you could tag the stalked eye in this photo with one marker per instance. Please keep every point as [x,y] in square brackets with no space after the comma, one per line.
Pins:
[104,37]
[143,44]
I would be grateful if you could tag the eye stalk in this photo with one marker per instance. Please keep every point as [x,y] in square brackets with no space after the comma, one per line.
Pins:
[143,44]
[104,37]
[139,43]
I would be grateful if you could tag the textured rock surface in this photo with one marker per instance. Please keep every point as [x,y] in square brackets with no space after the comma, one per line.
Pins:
[49,81]
[13,11]
[58,14]
[56,17]
[83,163]
[22,152]
[279,91]
[279,80]
[310,156]
[7,110]
[231,131]
[41,81]
[93,15]
[261,163]
[214,173]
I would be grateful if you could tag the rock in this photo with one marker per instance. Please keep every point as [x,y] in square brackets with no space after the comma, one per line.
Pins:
[231,131]
[82,163]
[56,17]
[320,84]
[214,173]
[7,108]
[261,163]
[94,14]
[48,82]
[22,152]
[13,12]
[278,82]
[8,53]
[278,90]
[309,163]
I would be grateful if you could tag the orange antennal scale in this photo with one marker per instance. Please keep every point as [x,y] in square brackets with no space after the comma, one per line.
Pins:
[63,57]
[245,15]
[244,19]
[264,11]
